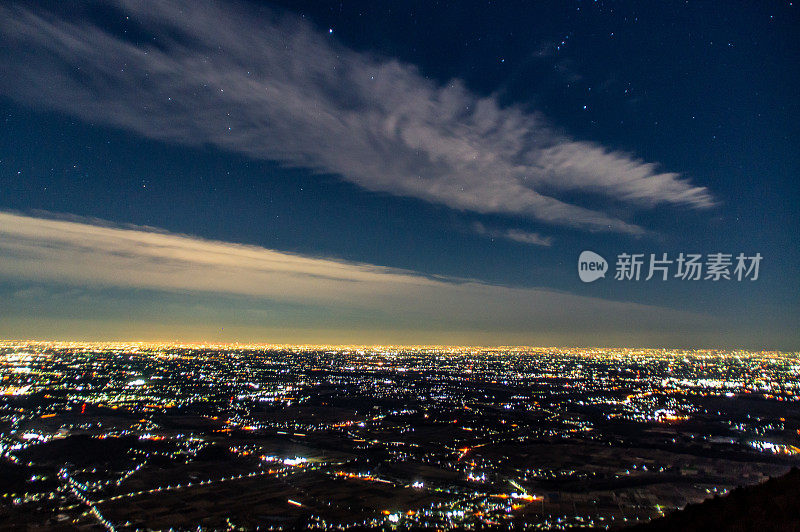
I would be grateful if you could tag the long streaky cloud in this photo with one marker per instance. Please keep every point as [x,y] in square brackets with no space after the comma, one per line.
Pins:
[272,87]
[81,253]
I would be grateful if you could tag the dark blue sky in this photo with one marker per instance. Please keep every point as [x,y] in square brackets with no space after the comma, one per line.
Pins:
[633,127]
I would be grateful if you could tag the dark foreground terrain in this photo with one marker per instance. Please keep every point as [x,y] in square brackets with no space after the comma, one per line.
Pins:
[773,506]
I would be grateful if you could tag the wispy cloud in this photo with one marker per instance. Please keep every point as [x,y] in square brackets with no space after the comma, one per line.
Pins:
[69,254]
[273,87]
[517,235]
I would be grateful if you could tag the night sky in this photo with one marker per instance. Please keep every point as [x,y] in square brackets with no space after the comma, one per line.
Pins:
[397,172]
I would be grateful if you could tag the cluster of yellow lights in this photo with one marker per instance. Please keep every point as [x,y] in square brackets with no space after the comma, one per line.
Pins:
[146,346]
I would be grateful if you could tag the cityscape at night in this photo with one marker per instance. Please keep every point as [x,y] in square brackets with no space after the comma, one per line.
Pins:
[155,436]
[284,265]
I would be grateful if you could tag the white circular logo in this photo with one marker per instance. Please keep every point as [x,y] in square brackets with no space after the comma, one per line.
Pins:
[591,266]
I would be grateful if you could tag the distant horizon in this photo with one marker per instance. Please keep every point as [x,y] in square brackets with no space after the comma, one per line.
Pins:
[316,346]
